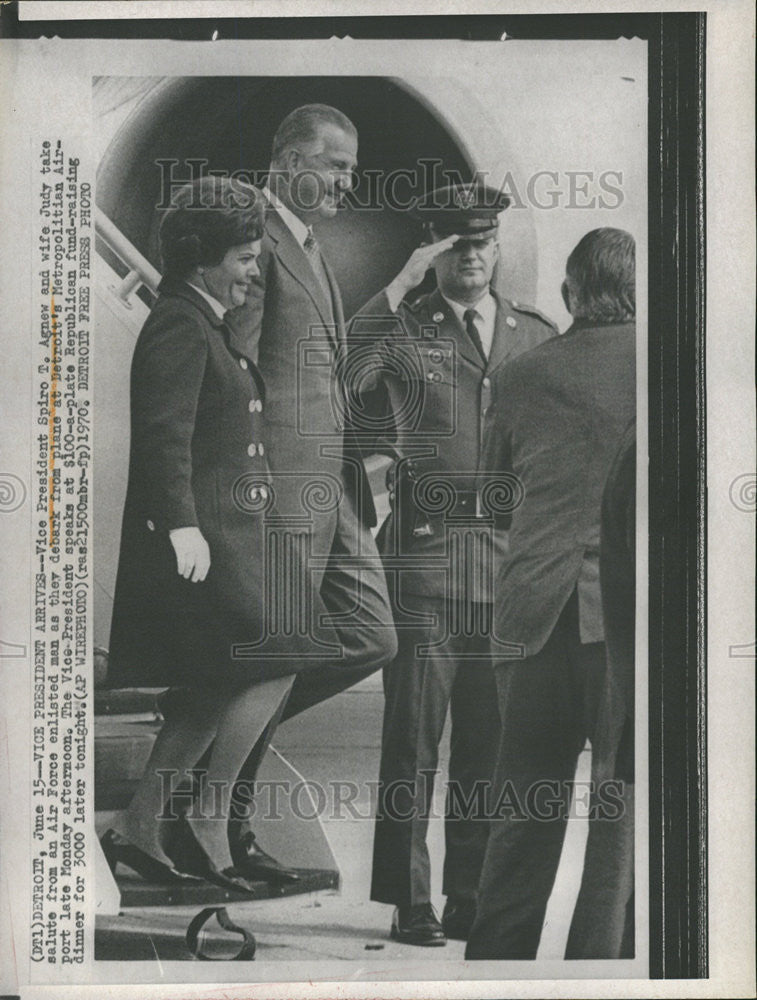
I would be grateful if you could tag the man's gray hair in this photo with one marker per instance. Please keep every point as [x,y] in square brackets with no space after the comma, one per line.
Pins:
[601,276]
[302,124]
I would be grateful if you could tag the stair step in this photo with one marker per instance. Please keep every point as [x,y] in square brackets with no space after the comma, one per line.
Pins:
[127,701]
[132,937]
[121,753]
[135,892]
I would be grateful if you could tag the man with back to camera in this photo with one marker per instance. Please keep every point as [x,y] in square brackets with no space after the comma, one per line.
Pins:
[603,918]
[559,415]
[430,365]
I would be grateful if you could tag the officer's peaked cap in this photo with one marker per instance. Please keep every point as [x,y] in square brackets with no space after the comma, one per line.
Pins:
[462,209]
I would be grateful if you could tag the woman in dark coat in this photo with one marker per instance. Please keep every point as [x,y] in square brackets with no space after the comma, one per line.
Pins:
[191,583]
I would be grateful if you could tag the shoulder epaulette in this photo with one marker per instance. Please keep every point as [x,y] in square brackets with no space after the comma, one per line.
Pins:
[532,311]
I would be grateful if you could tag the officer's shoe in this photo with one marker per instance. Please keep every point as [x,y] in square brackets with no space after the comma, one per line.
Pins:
[417,925]
[458,917]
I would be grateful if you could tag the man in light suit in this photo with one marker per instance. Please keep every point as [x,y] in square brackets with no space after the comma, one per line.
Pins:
[294,322]
[557,421]
[431,363]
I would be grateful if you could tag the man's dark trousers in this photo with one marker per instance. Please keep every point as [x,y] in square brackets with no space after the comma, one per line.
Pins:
[419,687]
[548,703]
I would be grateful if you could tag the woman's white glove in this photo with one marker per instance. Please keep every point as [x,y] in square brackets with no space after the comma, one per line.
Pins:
[192,553]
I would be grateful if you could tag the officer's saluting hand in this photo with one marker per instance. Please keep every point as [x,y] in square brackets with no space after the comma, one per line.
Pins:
[414,271]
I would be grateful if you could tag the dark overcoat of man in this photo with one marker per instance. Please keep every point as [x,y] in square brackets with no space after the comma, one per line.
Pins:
[434,360]
[556,423]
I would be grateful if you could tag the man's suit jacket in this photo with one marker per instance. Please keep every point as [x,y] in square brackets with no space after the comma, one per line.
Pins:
[435,388]
[613,745]
[556,422]
[297,333]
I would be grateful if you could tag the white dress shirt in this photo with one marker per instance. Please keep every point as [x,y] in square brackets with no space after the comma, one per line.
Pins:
[296,226]
[301,233]
[486,307]
[216,306]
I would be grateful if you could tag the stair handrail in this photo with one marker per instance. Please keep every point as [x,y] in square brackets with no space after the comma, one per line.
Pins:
[140,270]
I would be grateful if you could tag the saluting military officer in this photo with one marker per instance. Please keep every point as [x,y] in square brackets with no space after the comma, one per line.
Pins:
[430,364]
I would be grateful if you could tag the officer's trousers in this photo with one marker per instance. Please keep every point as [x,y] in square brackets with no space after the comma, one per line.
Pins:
[419,686]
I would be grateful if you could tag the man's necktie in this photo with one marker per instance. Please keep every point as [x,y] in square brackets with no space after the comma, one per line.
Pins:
[470,316]
[310,244]
[313,253]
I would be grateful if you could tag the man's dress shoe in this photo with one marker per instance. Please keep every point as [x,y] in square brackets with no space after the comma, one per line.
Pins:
[417,925]
[252,862]
[458,917]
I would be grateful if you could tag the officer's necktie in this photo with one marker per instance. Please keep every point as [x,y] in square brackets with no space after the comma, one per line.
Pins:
[470,316]
[313,253]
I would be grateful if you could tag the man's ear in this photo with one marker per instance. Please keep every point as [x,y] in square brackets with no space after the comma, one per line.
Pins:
[565,291]
[292,161]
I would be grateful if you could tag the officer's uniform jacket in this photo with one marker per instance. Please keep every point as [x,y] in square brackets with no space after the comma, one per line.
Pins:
[422,375]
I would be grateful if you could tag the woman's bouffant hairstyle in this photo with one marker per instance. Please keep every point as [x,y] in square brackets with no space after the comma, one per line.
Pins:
[206,219]
[601,275]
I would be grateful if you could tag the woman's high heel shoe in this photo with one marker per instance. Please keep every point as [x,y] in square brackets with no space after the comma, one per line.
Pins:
[120,851]
[187,852]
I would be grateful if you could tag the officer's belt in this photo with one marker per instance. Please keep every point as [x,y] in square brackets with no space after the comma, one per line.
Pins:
[466,506]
